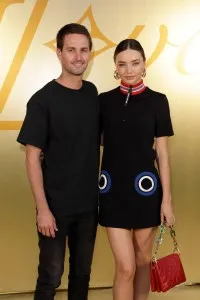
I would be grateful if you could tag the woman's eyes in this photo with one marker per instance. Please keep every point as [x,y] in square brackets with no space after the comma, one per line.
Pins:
[133,64]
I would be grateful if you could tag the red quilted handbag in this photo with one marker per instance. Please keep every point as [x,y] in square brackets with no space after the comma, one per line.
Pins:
[166,272]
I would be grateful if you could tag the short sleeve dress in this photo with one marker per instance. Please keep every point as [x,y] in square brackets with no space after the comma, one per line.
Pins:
[130,187]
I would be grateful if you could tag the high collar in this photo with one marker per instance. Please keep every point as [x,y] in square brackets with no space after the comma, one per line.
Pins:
[135,89]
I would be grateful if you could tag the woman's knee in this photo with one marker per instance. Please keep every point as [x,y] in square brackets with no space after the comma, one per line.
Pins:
[125,271]
[142,258]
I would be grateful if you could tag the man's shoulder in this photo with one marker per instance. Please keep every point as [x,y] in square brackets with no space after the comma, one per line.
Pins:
[47,88]
[42,94]
[89,85]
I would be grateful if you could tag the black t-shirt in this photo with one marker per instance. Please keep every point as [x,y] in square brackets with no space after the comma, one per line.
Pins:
[63,123]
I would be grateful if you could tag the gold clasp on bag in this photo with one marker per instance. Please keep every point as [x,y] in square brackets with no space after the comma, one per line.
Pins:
[159,241]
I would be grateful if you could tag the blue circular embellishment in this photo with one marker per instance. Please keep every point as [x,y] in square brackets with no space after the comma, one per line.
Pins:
[106,182]
[138,183]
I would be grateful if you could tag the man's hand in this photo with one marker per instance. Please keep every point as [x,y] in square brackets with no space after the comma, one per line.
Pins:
[46,223]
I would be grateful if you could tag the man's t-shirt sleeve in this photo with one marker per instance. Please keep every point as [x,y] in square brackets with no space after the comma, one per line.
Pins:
[35,125]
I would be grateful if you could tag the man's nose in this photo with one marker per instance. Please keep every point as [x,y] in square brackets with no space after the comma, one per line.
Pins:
[78,55]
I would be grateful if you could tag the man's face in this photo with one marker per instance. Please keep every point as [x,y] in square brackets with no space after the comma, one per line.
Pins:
[75,55]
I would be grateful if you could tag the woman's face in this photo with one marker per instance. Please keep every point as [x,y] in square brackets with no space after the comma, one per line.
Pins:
[130,66]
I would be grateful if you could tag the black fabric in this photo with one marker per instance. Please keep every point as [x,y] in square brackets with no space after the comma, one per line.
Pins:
[81,232]
[64,123]
[130,187]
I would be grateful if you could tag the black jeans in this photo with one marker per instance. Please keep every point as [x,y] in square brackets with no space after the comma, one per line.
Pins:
[81,233]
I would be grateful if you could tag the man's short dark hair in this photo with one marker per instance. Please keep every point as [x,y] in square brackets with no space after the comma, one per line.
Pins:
[72,28]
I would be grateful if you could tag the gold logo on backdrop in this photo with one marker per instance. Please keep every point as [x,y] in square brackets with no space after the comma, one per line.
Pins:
[29,33]
[20,55]
[96,33]
[4,4]
[190,49]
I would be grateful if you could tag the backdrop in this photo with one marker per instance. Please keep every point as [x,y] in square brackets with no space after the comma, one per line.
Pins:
[170,33]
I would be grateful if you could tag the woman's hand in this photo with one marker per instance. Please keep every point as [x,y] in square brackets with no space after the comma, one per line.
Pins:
[167,214]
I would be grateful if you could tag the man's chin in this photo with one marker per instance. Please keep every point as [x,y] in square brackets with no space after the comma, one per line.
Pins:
[78,72]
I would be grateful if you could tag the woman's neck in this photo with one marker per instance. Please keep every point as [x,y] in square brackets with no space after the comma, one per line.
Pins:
[135,89]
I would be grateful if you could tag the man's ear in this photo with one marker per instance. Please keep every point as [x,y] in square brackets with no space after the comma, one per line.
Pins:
[58,52]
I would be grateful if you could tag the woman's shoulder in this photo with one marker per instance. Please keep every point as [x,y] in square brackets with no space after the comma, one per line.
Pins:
[155,94]
[158,100]
[109,93]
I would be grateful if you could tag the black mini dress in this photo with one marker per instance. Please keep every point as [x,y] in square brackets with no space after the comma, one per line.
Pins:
[130,187]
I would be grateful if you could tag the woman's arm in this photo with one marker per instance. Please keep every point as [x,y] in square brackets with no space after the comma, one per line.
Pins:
[164,170]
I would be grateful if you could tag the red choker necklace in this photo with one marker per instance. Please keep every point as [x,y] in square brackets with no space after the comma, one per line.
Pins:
[134,89]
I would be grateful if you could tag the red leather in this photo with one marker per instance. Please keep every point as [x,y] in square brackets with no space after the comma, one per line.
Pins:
[166,273]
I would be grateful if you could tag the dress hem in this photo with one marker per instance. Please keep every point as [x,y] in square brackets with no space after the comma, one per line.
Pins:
[129,226]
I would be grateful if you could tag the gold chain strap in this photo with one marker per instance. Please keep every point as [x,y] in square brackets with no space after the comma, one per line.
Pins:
[159,240]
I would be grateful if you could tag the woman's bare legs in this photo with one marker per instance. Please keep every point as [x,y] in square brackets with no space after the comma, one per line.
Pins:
[143,243]
[122,247]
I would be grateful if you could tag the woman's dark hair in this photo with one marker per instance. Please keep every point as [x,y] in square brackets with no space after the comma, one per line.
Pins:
[129,44]
[72,28]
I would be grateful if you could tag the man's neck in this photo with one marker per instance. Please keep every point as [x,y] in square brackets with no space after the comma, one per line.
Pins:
[70,81]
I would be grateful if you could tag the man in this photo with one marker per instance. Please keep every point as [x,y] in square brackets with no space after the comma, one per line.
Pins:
[62,123]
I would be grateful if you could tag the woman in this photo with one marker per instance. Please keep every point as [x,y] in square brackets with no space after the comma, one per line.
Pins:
[134,199]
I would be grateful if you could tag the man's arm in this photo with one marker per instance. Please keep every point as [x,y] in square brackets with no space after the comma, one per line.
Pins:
[45,220]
